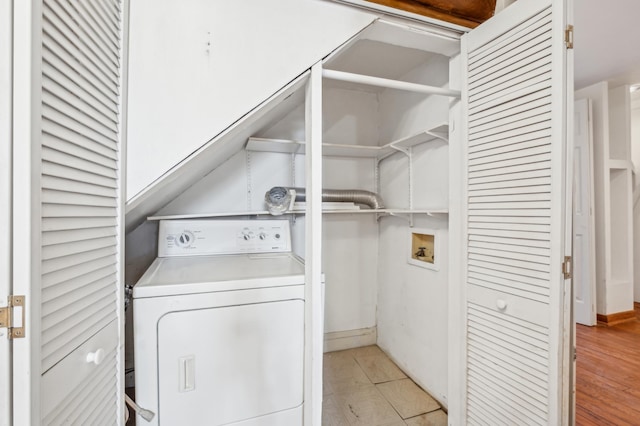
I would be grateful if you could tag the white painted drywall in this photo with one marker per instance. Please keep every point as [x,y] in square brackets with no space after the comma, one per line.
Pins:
[413,301]
[198,66]
[635,157]
[603,31]
[614,266]
[620,284]
[598,93]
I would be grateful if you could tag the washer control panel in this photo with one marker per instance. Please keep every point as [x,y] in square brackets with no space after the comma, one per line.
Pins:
[204,237]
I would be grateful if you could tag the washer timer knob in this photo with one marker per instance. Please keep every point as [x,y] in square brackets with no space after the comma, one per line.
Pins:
[185,239]
[262,236]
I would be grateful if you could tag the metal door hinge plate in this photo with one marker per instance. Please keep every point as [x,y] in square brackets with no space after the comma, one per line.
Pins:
[12,317]
[568,37]
[567,268]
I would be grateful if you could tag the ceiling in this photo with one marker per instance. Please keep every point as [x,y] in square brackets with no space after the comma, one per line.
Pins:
[606,38]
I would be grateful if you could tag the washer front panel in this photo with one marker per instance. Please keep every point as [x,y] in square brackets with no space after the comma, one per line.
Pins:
[224,365]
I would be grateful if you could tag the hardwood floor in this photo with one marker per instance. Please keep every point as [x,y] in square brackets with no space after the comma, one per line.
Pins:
[608,374]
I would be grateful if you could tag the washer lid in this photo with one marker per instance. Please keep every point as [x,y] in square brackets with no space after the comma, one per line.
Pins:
[204,274]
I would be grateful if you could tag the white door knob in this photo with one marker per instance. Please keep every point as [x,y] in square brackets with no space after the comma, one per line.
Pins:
[501,304]
[96,357]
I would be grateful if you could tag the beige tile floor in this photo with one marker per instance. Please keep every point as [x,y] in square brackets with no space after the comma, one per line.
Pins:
[363,386]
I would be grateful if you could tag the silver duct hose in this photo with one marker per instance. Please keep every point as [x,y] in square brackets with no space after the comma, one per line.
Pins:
[277,198]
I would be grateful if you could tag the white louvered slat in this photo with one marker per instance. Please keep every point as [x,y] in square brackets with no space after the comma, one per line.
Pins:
[104,18]
[518,104]
[520,72]
[54,131]
[63,262]
[54,210]
[59,290]
[59,184]
[515,279]
[510,219]
[527,292]
[69,334]
[499,125]
[62,223]
[510,209]
[510,179]
[496,93]
[507,41]
[62,84]
[71,67]
[60,250]
[63,17]
[62,152]
[540,115]
[81,203]
[482,105]
[523,60]
[102,36]
[489,121]
[74,174]
[68,274]
[57,116]
[74,235]
[73,110]
[98,382]
[53,29]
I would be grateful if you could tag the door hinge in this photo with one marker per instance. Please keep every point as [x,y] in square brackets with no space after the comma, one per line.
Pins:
[568,37]
[12,317]
[567,267]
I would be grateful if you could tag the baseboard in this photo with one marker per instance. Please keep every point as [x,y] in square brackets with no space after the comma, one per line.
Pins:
[348,339]
[617,318]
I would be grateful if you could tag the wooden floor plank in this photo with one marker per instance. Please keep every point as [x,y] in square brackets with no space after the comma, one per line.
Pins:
[608,374]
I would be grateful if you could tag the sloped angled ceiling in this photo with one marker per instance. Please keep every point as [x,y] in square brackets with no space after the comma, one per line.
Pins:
[214,153]
[197,66]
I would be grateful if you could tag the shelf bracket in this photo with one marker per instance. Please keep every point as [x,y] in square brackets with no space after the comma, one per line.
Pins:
[438,135]
[406,151]
[406,216]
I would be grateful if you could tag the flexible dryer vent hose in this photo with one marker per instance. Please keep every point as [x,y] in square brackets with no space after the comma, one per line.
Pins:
[278,198]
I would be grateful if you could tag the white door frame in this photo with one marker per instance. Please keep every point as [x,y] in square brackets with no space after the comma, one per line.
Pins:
[6,30]
[27,37]
[585,307]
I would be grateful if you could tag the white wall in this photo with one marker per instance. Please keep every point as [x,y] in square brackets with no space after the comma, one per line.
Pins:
[598,93]
[614,265]
[413,301]
[635,156]
[197,66]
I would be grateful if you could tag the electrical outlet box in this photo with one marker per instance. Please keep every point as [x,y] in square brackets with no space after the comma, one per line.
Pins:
[423,248]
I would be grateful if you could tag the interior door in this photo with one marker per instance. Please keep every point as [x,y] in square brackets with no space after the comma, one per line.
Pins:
[5,202]
[67,203]
[515,149]
[584,277]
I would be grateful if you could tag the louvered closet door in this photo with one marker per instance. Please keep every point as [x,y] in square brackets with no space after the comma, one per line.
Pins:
[80,204]
[515,153]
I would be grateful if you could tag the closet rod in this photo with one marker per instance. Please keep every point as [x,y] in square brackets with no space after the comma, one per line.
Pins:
[391,84]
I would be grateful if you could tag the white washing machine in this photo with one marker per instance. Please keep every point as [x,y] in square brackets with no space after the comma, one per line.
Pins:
[219,325]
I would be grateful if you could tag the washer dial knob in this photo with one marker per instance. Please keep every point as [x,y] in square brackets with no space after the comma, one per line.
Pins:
[185,239]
